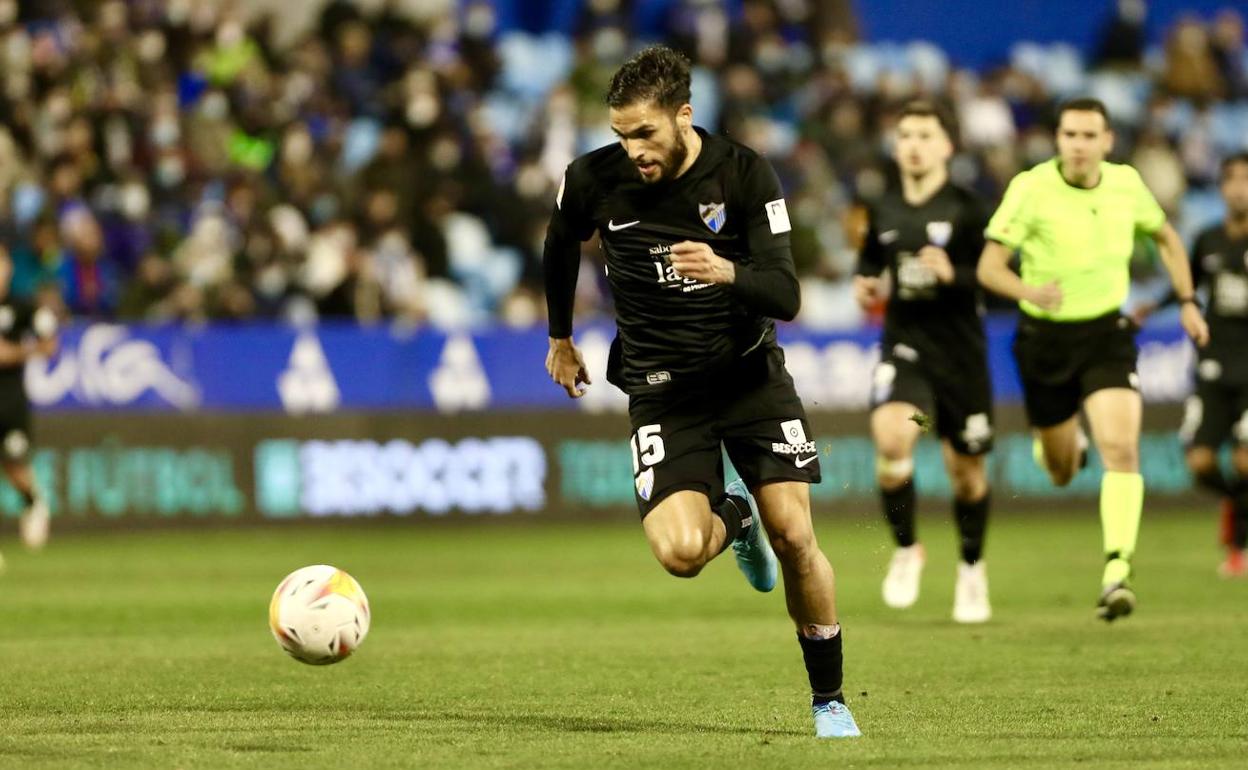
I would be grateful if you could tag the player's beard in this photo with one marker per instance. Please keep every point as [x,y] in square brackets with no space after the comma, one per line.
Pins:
[671,163]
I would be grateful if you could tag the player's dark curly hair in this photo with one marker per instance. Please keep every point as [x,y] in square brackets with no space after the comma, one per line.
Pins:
[656,74]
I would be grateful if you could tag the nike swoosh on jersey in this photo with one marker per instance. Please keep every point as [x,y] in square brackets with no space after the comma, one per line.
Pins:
[802,462]
[612,226]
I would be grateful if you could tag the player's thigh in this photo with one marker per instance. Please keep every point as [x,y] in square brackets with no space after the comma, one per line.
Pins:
[765,431]
[968,473]
[784,507]
[1059,443]
[1114,415]
[894,429]
[678,527]
[674,448]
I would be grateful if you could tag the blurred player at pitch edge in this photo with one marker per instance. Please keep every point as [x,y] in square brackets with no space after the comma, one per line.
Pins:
[24,331]
[920,251]
[1218,410]
[1074,219]
[696,236]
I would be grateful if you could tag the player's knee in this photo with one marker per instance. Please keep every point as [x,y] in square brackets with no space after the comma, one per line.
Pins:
[969,484]
[682,557]
[793,545]
[1201,461]
[893,469]
[1119,455]
[1063,468]
[680,567]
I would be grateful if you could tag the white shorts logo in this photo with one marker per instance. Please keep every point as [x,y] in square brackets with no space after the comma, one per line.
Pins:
[795,443]
[978,431]
[793,431]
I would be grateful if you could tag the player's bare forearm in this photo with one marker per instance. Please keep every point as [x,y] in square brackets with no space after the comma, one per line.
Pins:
[48,346]
[995,275]
[1174,257]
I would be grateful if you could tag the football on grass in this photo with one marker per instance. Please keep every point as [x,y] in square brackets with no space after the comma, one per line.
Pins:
[319,614]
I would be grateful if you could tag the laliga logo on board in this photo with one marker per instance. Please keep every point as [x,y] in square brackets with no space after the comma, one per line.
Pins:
[107,367]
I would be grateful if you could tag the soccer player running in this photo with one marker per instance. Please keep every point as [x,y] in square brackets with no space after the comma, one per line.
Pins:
[920,252]
[696,236]
[24,331]
[1074,219]
[1218,411]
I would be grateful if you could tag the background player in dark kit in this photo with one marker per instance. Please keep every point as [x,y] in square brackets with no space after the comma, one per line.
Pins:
[696,236]
[922,244]
[1218,410]
[24,331]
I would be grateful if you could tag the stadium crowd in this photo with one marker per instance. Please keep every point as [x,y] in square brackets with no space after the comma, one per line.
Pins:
[184,160]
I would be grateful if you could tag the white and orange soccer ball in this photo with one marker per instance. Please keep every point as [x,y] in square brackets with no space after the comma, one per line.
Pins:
[319,614]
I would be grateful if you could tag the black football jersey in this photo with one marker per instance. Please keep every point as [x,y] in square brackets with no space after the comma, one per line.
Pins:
[1220,265]
[939,321]
[672,331]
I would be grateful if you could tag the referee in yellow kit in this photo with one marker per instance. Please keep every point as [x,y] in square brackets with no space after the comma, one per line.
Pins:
[1074,219]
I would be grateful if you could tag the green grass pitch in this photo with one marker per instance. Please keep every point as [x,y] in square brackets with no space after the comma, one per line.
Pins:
[502,646]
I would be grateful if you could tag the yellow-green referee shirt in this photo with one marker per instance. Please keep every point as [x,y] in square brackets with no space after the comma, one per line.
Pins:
[1081,238]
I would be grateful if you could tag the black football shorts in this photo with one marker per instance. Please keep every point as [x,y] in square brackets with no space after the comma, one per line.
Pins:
[752,411]
[958,402]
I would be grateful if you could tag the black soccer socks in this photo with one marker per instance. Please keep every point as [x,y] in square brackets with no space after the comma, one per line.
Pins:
[735,513]
[972,520]
[823,666]
[899,510]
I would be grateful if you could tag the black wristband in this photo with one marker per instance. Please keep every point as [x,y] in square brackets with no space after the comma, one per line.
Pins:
[1192,300]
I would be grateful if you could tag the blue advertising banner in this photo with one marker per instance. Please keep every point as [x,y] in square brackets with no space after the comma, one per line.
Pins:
[343,367]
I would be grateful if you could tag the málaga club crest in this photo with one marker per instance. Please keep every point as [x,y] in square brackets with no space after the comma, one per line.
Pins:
[713,214]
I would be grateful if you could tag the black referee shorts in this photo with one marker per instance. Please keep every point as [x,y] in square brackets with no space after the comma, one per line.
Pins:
[752,411]
[1061,363]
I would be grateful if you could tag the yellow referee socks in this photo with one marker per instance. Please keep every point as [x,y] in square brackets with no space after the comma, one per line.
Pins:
[1122,501]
